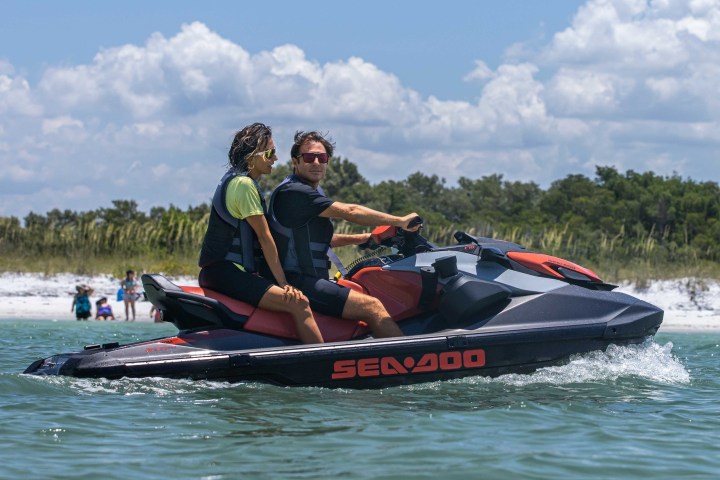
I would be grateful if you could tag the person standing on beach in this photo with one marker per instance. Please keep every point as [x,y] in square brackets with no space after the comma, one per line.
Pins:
[81,302]
[129,286]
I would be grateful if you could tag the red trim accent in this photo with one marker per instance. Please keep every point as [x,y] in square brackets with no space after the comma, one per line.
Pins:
[189,338]
[548,264]
[381,233]
[352,285]
[170,340]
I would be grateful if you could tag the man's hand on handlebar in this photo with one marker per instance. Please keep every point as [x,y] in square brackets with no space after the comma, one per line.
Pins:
[411,222]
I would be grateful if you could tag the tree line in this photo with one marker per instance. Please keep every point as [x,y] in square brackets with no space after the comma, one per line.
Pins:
[613,217]
[614,213]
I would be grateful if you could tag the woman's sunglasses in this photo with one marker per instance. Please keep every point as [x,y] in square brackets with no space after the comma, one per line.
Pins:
[267,154]
[310,157]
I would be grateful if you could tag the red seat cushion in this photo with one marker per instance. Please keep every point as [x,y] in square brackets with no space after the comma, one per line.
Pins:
[281,324]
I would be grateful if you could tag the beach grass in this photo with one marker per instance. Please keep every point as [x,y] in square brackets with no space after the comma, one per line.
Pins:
[639,271]
[171,246]
[116,265]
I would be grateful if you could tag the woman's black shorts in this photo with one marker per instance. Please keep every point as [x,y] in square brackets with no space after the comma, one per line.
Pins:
[228,279]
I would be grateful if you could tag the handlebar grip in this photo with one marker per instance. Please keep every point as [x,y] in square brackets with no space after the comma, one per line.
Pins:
[415,222]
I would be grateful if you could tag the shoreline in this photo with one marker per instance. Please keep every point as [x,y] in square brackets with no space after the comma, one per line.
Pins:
[689,304]
[54,310]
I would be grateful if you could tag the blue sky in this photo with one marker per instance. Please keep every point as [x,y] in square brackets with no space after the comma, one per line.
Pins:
[399,37]
[109,100]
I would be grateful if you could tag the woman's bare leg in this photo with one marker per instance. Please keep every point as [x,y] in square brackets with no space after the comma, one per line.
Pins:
[308,331]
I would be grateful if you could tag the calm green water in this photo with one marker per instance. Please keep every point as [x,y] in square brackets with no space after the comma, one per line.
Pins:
[636,412]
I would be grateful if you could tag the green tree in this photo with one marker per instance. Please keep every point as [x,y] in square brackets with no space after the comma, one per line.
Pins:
[124,212]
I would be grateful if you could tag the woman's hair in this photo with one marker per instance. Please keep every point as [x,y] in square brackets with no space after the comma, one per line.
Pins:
[247,141]
[304,137]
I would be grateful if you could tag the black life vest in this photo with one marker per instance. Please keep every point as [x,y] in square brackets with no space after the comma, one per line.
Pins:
[299,249]
[227,237]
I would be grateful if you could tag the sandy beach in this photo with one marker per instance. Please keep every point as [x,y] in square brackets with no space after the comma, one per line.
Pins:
[37,297]
[689,304]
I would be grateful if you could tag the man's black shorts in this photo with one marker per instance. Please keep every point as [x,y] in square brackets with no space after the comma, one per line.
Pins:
[325,296]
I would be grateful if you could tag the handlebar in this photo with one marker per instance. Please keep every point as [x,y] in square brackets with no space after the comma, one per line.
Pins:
[405,241]
[415,222]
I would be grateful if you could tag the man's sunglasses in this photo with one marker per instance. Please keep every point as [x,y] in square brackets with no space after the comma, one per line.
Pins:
[267,154]
[310,157]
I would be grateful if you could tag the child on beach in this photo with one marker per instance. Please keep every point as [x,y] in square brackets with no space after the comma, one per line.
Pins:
[81,302]
[103,310]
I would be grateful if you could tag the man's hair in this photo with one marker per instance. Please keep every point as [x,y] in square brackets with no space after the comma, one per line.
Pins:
[303,137]
[247,141]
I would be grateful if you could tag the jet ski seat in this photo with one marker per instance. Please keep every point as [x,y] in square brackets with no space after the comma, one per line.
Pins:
[196,307]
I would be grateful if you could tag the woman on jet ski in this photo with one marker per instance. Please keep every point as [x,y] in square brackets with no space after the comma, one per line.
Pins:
[238,244]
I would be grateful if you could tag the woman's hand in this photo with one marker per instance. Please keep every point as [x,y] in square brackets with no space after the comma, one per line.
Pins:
[292,294]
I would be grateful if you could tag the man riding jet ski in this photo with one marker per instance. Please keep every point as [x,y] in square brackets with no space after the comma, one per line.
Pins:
[480,307]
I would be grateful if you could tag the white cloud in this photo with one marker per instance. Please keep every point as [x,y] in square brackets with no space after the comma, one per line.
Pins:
[636,58]
[161,170]
[289,61]
[15,96]
[357,92]
[664,87]
[61,125]
[158,78]
[629,82]
[586,92]
[481,72]
[16,173]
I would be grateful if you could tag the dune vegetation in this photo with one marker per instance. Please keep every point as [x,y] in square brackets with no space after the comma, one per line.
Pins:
[625,226]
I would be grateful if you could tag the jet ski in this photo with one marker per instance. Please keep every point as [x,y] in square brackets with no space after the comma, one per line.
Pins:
[481,307]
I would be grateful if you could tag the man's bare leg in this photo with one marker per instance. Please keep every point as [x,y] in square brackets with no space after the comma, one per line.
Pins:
[369,309]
